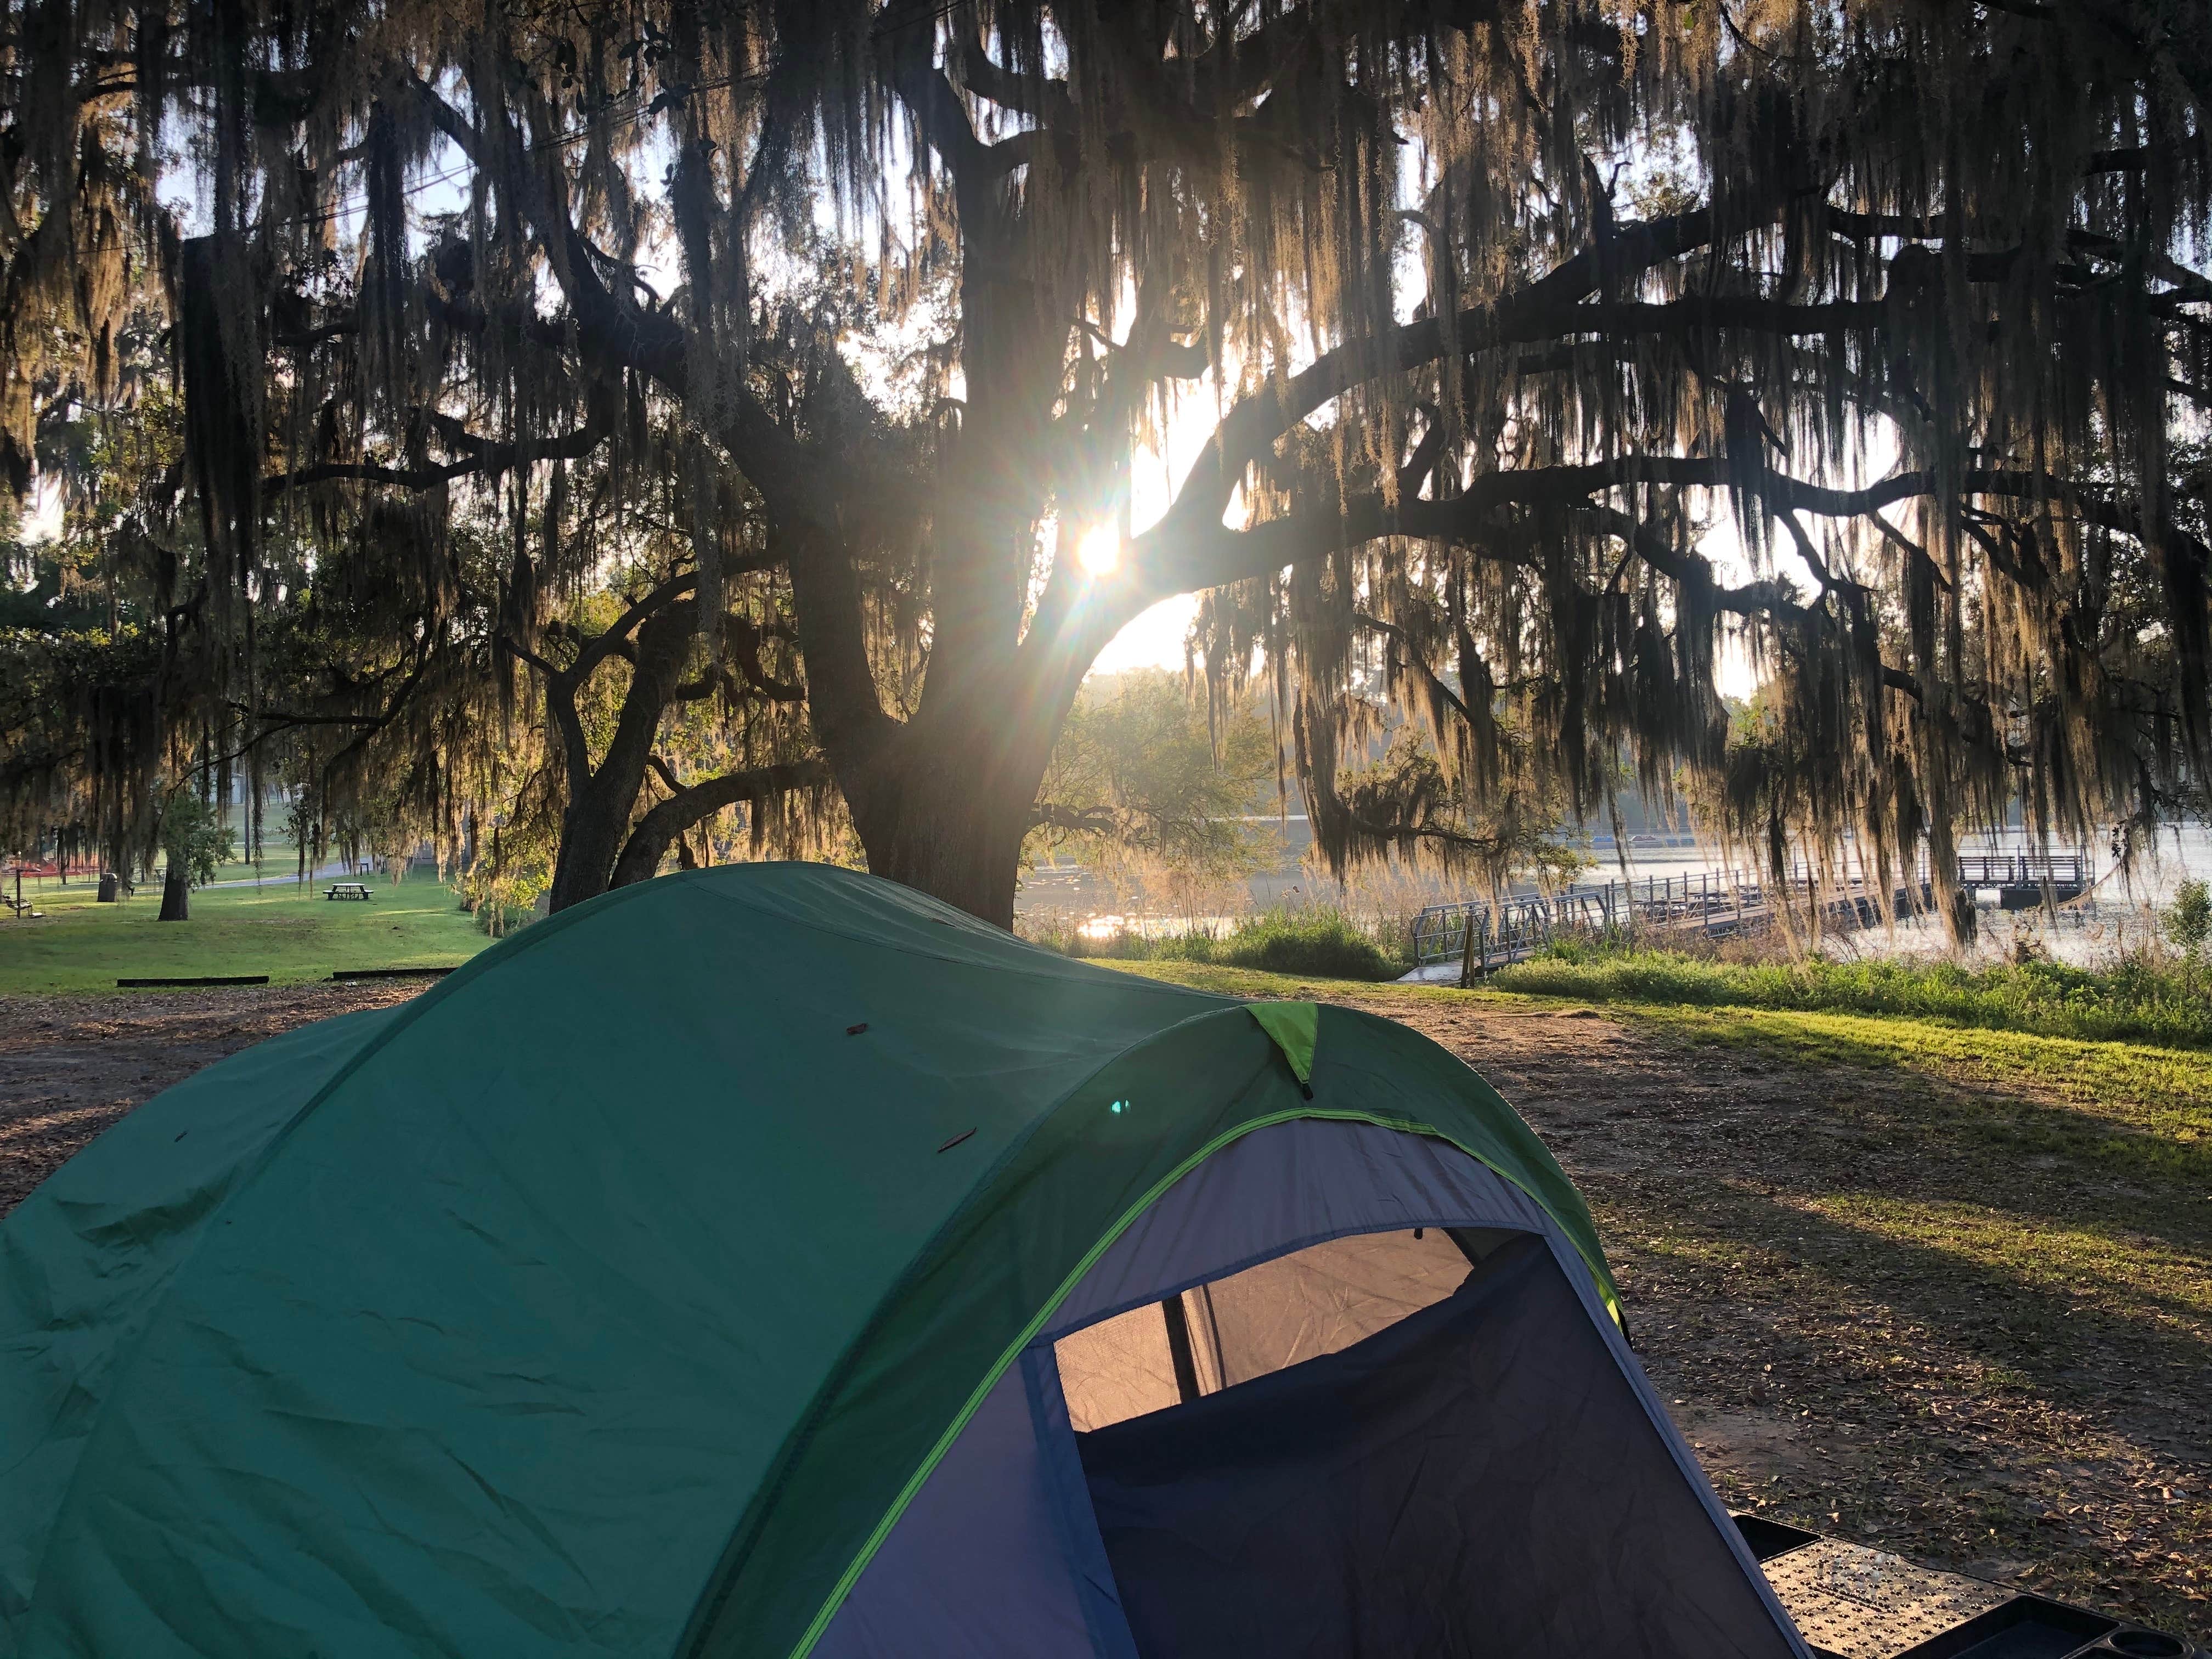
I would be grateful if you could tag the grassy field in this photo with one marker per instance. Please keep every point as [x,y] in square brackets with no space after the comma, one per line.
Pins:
[291,934]
[2166,1089]
[2166,1000]
[2135,1108]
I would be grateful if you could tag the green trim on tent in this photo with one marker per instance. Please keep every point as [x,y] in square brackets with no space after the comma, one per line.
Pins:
[1296,1027]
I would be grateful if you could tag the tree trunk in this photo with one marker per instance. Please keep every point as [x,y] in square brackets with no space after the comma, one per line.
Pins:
[597,823]
[936,825]
[593,831]
[176,897]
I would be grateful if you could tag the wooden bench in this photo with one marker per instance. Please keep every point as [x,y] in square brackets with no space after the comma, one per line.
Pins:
[348,889]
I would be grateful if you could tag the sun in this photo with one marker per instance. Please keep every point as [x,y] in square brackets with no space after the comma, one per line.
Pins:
[1099,550]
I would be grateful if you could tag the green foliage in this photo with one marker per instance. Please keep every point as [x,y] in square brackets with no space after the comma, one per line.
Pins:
[2189,918]
[2137,998]
[1327,944]
[1137,771]
[194,837]
[502,888]
[1323,942]
[1407,803]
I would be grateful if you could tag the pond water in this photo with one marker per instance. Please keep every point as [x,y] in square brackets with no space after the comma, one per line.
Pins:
[2120,911]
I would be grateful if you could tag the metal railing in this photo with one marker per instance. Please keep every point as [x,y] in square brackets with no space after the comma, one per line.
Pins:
[1491,935]
[1484,934]
[2065,873]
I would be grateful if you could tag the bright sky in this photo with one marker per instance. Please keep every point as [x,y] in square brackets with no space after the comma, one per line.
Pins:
[1155,639]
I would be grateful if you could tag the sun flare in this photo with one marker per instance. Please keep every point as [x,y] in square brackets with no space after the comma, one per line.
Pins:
[1099,550]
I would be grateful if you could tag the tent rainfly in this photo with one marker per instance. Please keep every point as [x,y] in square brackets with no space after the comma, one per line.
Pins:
[767,1261]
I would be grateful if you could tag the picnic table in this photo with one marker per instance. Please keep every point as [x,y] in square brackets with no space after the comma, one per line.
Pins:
[348,889]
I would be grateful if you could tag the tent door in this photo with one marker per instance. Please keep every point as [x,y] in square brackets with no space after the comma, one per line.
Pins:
[1473,1477]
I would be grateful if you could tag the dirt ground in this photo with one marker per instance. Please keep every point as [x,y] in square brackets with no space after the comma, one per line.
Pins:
[1832,1371]
[69,1066]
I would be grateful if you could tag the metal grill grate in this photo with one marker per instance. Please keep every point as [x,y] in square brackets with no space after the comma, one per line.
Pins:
[1859,1603]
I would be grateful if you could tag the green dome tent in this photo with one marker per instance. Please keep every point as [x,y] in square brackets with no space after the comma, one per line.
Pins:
[769,1260]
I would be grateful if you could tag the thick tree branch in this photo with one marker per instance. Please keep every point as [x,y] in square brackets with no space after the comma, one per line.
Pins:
[600,646]
[744,639]
[484,458]
[1168,560]
[1074,821]
[649,842]
[1547,308]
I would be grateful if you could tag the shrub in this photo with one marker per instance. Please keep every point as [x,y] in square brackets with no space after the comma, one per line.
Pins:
[1319,943]
[1326,944]
[2189,921]
[2136,997]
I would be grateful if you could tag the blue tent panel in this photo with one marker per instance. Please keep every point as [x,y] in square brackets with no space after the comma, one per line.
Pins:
[1471,1480]
[1499,1455]
[999,1554]
[1281,1189]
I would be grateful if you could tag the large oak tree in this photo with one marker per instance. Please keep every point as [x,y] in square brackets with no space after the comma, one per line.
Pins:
[1543,349]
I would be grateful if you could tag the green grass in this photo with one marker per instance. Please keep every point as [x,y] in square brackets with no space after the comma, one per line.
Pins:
[2143,1111]
[279,862]
[2158,1285]
[2162,1003]
[2139,1104]
[1225,980]
[291,935]
[2121,1132]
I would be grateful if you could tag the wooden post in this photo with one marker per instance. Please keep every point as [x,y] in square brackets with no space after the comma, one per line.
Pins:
[1466,951]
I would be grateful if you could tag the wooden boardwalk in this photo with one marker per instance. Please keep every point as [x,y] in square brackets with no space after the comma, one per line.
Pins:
[1467,940]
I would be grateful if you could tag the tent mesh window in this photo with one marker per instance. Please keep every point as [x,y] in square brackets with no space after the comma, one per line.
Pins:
[1316,1301]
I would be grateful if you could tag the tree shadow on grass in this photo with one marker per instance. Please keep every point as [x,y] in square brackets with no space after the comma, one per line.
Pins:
[1950,1407]
[2113,1354]
[1981,1140]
